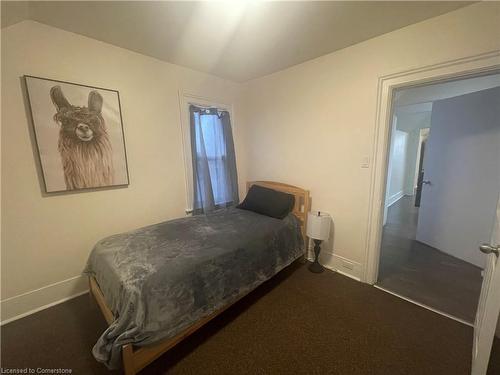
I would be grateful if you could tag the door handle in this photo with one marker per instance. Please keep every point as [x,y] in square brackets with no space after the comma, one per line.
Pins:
[488,249]
[426,182]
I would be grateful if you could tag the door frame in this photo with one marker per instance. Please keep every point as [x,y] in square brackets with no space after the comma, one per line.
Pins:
[467,67]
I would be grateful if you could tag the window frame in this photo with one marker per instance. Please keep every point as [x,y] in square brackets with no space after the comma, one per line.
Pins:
[185,100]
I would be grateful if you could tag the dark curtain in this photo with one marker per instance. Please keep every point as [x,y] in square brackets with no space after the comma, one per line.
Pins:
[215,180]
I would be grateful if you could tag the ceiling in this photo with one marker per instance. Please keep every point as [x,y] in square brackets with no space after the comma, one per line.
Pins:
[408,122]
[413,106]
[414,96]
[238,40]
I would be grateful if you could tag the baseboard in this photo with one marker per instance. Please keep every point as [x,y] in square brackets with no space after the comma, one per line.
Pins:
[395,197]
[28,303]
[409,193]
[339,264]
[344,266]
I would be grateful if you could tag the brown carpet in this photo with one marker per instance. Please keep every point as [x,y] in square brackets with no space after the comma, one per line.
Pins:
[298,323]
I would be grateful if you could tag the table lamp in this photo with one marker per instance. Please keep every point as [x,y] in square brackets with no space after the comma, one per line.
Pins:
[318,228]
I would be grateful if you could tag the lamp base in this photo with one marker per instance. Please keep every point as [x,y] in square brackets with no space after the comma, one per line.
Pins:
[316,267]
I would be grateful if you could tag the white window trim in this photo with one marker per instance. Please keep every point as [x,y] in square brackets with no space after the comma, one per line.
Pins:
[185,100]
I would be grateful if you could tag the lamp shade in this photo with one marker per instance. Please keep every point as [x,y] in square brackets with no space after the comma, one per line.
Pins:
[318,225]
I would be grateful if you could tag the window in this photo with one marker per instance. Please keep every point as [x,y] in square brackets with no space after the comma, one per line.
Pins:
[211,177]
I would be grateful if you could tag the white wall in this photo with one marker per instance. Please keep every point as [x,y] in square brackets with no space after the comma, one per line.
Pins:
[462,161]
[411,123]
[312,125]
[46,239]
[412,148]
[396,184]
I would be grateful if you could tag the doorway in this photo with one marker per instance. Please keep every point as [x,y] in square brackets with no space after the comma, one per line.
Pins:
[442,182]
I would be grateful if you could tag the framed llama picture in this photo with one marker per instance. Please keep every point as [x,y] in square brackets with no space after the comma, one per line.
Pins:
[79,135]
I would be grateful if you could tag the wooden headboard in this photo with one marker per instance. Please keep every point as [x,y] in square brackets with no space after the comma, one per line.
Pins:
[302,199]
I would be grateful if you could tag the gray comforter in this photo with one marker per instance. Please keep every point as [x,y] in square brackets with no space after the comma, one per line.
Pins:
[160,279]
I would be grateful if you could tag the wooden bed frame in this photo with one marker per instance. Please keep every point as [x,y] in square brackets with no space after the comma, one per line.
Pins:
[136,358]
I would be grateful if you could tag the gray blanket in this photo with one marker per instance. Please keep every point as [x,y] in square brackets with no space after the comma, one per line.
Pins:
[160,279]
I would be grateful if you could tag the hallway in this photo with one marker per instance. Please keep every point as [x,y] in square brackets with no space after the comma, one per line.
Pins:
[422,273]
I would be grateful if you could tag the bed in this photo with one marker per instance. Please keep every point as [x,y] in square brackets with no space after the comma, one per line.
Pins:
[158,284]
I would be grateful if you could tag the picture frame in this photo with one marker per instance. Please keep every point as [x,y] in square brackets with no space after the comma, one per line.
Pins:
[79,136]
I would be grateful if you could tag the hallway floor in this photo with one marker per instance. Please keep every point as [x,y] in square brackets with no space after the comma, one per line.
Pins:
[422,273]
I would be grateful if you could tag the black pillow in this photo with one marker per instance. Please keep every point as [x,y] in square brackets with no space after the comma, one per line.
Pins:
[268,202]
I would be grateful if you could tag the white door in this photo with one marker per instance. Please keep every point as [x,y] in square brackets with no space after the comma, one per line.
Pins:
[489,303]
[461,174]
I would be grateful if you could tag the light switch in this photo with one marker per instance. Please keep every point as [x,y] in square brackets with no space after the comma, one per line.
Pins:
[365,162]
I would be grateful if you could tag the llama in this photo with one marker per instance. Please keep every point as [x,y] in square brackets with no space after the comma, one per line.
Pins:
[84,145]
